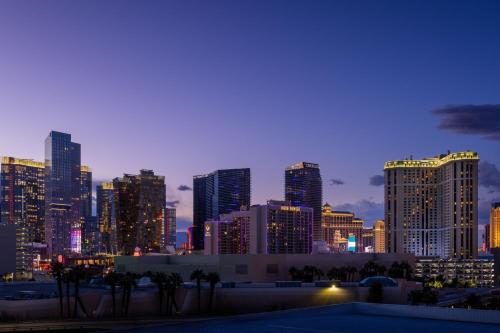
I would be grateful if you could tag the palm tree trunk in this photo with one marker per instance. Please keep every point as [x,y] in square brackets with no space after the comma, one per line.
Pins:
[75,309]
[113,297]
[68,310]
[198,285]
[174,303]
[60,290]
[212,290]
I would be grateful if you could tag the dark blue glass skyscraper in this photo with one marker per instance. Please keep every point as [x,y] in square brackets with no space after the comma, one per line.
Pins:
[62,194]
[220,192]
[304,187]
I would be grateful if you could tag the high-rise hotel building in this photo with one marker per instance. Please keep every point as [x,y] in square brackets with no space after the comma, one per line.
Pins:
[63,210]
[494,228]
[431,205]
[139,202]
[22,206]
[87,227]
[22,195]
[379,236]
[220,192]
[304,188]
[274,228]
[106,218]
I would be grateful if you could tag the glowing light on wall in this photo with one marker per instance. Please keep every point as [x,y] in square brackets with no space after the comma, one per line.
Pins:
[351,243]
[76,240]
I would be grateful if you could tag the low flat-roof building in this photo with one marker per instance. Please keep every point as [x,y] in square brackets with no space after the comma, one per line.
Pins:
[249,267]
[480,272]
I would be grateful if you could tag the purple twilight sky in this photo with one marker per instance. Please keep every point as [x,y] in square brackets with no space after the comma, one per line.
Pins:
[187,87]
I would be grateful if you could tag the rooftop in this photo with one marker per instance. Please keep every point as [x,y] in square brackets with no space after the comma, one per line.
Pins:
[344,318]
[432,162]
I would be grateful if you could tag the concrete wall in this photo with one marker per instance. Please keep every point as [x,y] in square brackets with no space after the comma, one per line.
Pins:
[255,268]
[249,299]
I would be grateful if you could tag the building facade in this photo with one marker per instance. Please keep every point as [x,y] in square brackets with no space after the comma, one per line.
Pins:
[86,221]
[220,192]
[379,236]
[22,196]
[106,218]
[304,187]
[274,228]
[338,226]
[494,226]
[170,227]
[431,206]
[368,240]
[62,194]
[140,212]
[230,234]
[480,272]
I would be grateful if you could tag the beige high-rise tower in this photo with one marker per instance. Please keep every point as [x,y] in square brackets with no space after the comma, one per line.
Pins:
[495,226]
[379,235]
[431,206]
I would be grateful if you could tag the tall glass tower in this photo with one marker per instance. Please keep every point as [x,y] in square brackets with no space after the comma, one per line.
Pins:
[62,194]
[304,188]
[220,192]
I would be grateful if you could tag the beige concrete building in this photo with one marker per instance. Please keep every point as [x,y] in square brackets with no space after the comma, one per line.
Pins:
[495,226]
[254,268]
[431,205]
[273,228]
[379,236]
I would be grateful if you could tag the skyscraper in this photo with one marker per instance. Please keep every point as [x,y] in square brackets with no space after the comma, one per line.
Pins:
[379,234]
[22,195]
[495,225]
[200,206]
[140,212]
[304,188]
[62,194]
[431,205]
[273,228]
[87,227]
[106,218]
[170,227]
[220,192]
[22,203]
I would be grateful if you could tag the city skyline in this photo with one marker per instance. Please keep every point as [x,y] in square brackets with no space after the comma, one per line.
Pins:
[356,100]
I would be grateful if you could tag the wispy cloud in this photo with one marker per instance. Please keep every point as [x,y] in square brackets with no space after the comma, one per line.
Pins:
[489,176]
[172,204]
[483,120]
[335,181]
[376,180]
[184,188]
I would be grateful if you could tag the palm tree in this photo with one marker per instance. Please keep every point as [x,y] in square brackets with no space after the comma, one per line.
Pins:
[318,273]
[213,278]
[198,275]
[160,279]
[175,282]
[112,279]
[68,278]
[334,273]
[78,274]
[295,274]
[57,273]
[127,282]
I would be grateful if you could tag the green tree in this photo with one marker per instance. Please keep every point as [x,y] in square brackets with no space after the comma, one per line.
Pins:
[57,273]
[371,269]
[127,282]
[425,296]
[198,275]
[212,278]
[334,274]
